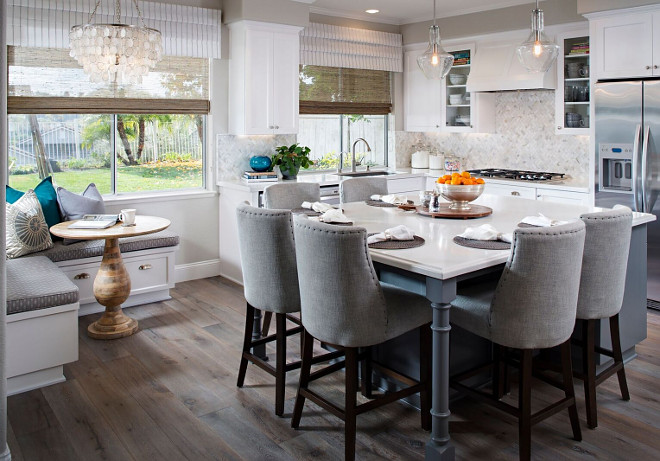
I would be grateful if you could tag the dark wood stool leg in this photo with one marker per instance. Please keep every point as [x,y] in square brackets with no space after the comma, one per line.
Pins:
[266,323]
[280,362]
[499,371]
[305,368]
[350,422]
[366,384]
[589,370]
[525,405]
[569,390]
[247,337]
[618,356]
[425,346]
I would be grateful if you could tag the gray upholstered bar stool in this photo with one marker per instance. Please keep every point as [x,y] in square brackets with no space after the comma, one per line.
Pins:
[344,305]
[532,307]
[286,196]
[602,286]
[360,189]
[270,283]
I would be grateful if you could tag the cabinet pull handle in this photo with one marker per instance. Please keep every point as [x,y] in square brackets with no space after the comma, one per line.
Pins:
[655,66]
[648,67]
[81,276]
[516,193]
[559,128]
[277,127]
[145,267]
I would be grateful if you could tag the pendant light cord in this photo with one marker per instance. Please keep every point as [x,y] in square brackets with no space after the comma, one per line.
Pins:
[434,2]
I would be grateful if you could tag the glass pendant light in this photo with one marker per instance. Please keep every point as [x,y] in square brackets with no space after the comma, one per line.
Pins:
[537,53]
[435,62]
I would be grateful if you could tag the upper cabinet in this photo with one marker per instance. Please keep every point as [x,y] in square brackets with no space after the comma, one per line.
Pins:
[422,97]
[263,78]
[626,45]
[445,105]
[572,98]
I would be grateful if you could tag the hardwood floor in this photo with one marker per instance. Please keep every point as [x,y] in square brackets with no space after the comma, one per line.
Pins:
[169,393]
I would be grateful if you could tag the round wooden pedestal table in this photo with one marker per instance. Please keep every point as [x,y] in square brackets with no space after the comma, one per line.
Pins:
[112,284]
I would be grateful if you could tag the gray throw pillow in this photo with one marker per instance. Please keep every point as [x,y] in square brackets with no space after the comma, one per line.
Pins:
[27,231]
[74,206]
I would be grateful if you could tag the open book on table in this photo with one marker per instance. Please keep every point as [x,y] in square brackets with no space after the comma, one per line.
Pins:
[95,221]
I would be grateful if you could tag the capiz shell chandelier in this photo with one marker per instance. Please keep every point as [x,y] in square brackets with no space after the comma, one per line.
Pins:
[116,53]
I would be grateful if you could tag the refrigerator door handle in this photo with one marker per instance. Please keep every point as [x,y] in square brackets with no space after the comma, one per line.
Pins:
[635,176]
[645,151]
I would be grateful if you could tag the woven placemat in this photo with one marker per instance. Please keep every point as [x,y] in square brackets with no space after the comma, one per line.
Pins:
[380,204]
[305,211]
[482,244]
[397,244]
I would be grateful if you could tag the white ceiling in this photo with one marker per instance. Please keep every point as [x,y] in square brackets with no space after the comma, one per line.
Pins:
[406,11]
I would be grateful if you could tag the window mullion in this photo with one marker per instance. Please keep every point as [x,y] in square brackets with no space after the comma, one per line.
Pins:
[113,154]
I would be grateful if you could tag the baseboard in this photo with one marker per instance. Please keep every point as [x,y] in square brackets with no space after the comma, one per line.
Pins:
[197,270]
[35,380]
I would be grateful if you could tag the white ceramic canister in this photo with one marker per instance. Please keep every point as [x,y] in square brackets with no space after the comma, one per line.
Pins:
[436,162]
[420,159]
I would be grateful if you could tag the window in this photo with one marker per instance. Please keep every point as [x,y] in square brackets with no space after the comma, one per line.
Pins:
[338,106]
[146,137]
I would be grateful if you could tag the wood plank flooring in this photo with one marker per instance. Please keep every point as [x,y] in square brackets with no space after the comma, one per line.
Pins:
[169,393]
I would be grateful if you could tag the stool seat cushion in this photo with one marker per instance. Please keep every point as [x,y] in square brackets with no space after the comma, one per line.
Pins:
[90,248]
[37,283]
[405,310]
[471,308]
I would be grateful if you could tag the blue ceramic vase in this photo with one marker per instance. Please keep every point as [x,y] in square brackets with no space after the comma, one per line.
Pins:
[260,163]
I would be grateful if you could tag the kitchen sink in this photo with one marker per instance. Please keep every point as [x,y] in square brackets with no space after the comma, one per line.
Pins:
[366,173]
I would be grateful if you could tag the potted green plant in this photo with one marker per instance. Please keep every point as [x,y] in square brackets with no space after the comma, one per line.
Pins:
[290,159]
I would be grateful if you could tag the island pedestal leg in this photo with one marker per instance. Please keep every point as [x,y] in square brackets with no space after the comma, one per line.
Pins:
[440,293]
[112,287]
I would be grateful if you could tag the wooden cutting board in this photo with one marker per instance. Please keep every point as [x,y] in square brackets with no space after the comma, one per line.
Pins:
[475,211]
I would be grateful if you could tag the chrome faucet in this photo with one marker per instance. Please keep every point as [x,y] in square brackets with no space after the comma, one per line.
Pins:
[353,152]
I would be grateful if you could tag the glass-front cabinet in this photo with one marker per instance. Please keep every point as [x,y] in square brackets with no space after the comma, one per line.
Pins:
[573,95]
[458,103]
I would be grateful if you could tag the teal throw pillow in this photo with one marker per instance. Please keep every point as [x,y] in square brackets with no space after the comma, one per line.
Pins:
[47,198]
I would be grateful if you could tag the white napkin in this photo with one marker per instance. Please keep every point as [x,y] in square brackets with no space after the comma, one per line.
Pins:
[319,207]
[621,207]
[542,221]
[485,232]
[393,233]
[332,216]
[390,198]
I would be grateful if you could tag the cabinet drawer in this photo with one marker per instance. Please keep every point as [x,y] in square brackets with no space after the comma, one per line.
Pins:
[83,276]
[397,186]
[513,191]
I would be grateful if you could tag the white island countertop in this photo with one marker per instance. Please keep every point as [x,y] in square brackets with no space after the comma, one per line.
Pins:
[440,257]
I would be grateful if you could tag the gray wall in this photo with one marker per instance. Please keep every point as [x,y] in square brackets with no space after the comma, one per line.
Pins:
[4,449]
[355,23]
[591,6]
[493,21]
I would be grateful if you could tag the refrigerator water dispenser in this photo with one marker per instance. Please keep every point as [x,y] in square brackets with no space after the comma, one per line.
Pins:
[616,167]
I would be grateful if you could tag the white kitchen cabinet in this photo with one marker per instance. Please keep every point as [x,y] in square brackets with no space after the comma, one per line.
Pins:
[573,94]
[263,78]
[422,97]
[510,190]
[625,44]
[407,185]
[562,196]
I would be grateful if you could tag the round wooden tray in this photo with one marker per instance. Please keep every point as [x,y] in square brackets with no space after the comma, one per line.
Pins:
[475,211]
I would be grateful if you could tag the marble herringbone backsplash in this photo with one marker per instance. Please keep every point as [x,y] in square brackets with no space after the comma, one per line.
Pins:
[233,152]
[524,138]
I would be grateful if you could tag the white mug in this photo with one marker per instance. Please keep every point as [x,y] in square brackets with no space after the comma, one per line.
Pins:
[127,217]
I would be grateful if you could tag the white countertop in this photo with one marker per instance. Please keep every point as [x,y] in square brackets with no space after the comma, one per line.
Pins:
[323,179]
[567,184]
[440,257]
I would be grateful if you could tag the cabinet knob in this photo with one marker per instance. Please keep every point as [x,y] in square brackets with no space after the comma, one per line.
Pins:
[648,67]
[145,267]
[277,127]
[655,66]
[515,193]
[81,276]
[437,126]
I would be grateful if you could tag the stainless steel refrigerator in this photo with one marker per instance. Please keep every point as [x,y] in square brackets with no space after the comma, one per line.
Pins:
[628,157]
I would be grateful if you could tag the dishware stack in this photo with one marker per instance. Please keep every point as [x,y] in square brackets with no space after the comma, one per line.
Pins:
[455,99]
[574,120]
[457,79]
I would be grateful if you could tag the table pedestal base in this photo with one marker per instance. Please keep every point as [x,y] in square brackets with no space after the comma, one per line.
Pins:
[112,286]
[112,325]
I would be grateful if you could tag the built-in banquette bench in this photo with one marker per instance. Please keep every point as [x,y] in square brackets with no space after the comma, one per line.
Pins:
[48,290]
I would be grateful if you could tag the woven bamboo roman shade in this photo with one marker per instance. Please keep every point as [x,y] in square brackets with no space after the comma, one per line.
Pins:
[335,46]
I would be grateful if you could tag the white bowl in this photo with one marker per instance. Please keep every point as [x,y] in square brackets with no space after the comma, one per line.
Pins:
[455,99]
[457,79]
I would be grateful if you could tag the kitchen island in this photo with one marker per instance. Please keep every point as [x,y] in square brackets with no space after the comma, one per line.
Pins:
[435,268]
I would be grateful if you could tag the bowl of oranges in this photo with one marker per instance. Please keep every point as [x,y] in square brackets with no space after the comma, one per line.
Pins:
[460,189]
